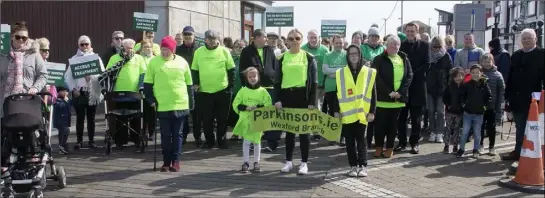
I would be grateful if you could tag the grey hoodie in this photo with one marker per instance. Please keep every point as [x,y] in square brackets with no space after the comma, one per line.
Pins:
[467,56]
[497,88]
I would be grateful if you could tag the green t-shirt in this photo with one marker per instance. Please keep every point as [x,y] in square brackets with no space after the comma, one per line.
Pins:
[155,48]
[399,69]
[129,76]
[333,61]
[147,59]
[319,55]
[260,52]
[170,80]
[212,66]
[294,70]
[370,53]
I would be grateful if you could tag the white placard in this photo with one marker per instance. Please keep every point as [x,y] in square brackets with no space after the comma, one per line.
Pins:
[83,59]
[55,66]
[5,28]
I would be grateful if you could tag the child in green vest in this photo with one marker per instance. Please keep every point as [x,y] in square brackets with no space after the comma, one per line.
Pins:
[247,99]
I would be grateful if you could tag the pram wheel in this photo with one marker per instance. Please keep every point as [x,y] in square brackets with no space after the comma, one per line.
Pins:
[8,195]
[36,193]
[61,177]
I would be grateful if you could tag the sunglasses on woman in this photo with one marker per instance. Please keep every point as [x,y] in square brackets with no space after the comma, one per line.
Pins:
[294,38]
[24,38]
[84,44]
[44,50]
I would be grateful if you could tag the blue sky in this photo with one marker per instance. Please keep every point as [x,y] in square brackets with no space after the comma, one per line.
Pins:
[360,15]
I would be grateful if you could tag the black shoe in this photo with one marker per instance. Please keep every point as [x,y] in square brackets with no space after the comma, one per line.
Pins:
[198,142]
[400,147]
[316,138]
[331,143]
[245,168]
[342,143]
[460,153]
[208,145]
[234,138]
[78,146]
[455,149]
[92,145]
[257,168]
[445,149]
[223,146]
[415,149]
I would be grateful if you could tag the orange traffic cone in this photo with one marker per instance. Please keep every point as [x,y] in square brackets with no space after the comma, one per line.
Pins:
[542,125]
[529,177]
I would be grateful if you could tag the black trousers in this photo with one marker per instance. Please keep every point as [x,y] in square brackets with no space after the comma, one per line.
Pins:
[196,118]
[150,118]
[489,124]
[215,106]
[416,125]
[82,111]
[356,146]
[385,117]
[425,119]
[296,98]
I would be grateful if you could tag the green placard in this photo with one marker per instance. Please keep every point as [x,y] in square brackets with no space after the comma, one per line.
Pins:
[85,65]
[6,38]
[332,27]
[145,21]
[55,73]
[298,121]
[279,17]
[199,39]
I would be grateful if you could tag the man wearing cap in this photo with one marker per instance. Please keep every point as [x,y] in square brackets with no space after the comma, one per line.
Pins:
[272,41]
[186,50]
[263,58]
[154,48]
[165,86]
[314,47]
[213,72]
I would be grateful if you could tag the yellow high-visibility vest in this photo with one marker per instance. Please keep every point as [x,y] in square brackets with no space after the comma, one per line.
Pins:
[355,97]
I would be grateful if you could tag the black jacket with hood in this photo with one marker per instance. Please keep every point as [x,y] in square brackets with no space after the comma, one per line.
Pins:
[502,59]
[187,52]
[249,57]
[311,84]
[335,107]
[476,96]
[451,98]
[437,77]
[385,77]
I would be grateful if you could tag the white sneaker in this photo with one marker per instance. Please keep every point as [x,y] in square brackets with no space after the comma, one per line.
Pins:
[353,172]
[481,150]
[440,138]
[287,167]
[303,169]
[362,172]
[432,137]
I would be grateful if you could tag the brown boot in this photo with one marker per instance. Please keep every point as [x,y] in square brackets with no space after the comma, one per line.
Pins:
[389,152]
[378,151]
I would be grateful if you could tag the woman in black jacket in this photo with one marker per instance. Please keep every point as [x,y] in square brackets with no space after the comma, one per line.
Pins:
[436,81]
[394,76]
[295,87]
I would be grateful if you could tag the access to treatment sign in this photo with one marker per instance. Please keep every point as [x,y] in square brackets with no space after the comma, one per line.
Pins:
[145,21]
[298,121]
[279,16]
[85,65]
[332,27]
[6,38]
[55,73]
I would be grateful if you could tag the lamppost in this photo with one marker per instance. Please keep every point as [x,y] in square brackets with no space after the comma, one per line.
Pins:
[540,33]
[514,33]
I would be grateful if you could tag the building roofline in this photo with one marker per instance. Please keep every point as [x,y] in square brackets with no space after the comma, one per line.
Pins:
[439,10]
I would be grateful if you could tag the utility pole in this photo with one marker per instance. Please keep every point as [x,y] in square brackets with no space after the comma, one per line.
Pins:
[385,19]
[402,28]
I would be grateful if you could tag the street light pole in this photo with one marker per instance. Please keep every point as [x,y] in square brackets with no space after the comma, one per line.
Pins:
[401,16]
[385,19]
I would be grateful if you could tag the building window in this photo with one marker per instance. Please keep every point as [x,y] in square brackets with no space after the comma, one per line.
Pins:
[517,12]
[532,8]
[258,19]
[511,3]
[248,11]
[253,19]
[512,13]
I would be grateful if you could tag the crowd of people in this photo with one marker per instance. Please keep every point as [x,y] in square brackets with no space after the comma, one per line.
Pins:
[404,78]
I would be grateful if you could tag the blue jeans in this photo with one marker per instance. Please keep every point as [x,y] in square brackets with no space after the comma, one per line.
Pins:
[520,126]
[474,121]
[172,124]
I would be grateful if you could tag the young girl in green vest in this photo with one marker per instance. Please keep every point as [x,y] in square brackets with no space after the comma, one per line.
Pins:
[247,99]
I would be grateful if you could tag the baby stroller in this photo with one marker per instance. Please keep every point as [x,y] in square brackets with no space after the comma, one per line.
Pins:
[122,107]
[27,142]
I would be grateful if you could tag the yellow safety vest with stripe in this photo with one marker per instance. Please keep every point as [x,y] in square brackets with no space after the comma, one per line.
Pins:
[355,97]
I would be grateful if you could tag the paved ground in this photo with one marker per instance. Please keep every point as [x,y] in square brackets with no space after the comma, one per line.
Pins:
[207,173]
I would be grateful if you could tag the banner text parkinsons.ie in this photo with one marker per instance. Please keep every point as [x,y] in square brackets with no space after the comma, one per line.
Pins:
[294,117]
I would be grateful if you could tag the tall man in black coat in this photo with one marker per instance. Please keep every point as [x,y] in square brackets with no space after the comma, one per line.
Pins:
[418,53]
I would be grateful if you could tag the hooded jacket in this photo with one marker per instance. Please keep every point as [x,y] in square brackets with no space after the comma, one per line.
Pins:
[475,96]
[437,76]
[451,98]
[497,89]
[249,57]
[502,59]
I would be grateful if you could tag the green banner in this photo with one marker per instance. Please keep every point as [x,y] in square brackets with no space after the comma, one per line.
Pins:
[6,38]
[298,121]
[55,73]
[145,21]
[279,17]
[85,65]
[332,27]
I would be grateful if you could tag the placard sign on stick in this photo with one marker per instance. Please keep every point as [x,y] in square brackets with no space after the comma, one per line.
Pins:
[5,34]
[199,38]
[55,73]
[279,16]
[332,27]
[145,21]
[85,65]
